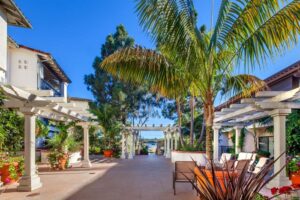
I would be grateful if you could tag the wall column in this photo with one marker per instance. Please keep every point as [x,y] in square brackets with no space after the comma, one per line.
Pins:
[86,146]
[279,121]
[176,141]
[64,90]
[123,155]
[216,129]
[131,145]
[238,130]
[30,180]
[168,152]
[172,142]
[165,143]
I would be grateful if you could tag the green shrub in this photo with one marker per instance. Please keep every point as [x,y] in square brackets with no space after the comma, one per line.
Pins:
[263,153]
[95,150]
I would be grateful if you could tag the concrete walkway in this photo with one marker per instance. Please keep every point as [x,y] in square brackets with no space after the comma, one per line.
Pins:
[144,178]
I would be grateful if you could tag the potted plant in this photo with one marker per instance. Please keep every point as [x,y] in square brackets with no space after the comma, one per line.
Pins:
[11,169]
[293,168]
[61,144]
[108,152]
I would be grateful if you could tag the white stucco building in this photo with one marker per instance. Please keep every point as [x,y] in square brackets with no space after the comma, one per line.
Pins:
[36,85]
[285,80]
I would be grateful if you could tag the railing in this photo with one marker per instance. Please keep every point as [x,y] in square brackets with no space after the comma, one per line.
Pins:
[45,85]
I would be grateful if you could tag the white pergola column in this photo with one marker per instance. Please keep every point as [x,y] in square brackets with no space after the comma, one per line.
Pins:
[216,129]
[279,121]
[165,143]
[86,144]
[238,130]
[134,143]
[168,151]
[131,145]
[176,141]
[172,141]
[123,155]
[30,180]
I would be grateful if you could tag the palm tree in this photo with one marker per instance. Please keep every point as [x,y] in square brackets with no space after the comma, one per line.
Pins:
[246,32]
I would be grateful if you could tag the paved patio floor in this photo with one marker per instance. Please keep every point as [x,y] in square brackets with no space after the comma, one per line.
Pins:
[144,178]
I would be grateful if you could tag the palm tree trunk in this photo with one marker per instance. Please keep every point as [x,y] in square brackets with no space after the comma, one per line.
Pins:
[178,108]
[209,118]
[192,107]
[202,131]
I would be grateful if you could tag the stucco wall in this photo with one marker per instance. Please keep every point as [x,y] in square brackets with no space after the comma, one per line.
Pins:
[249,142]
[3,45]
[23,68]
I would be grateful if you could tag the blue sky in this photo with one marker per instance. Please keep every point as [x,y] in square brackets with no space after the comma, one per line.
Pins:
[73,31]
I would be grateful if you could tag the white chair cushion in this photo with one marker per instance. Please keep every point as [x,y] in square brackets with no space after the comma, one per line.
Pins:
[225,157]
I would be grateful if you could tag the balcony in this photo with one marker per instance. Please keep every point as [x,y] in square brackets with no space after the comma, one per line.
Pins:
[45,85]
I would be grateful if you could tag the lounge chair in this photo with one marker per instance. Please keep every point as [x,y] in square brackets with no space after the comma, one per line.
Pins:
[184,173]
[224,158]
[260,165]
[241,165]
[246,156]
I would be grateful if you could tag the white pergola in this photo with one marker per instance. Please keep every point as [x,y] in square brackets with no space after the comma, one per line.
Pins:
[130,139]
[55,108]
[277,104]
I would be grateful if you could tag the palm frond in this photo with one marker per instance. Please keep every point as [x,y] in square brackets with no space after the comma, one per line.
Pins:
[263,29]
[242,84]
[144,66]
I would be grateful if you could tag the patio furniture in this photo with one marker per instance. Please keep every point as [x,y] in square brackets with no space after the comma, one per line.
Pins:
[246,156]
[224,158]
[241,165]
[184,173]
[225,162]
[260,165]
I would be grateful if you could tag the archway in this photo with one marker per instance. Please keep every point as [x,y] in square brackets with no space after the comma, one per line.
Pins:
[130,139]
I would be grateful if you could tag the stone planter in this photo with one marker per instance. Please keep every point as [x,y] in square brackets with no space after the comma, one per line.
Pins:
[199,157]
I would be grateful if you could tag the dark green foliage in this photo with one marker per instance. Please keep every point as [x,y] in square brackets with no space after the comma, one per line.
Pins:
[144,150]
[11,131]
[189,147]
[263,153]
[293,133]
[128,101]
[116,102]
[42,129]
[242,138]
[63,141]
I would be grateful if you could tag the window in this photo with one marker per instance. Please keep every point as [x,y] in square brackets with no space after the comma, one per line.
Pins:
[266,144]
[263,143]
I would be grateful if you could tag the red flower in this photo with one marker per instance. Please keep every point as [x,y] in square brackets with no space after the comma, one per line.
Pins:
[274,190]
[285,190]
[7,180]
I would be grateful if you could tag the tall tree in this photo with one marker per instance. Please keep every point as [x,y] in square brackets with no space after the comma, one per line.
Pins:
[125,100]
[246,33]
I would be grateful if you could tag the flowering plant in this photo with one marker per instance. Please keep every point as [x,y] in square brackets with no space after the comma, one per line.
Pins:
[288,191]
[294,164]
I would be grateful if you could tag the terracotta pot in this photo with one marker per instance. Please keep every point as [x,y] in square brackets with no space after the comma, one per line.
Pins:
[5,174]
[108,153]
[62,161]
[295,178]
